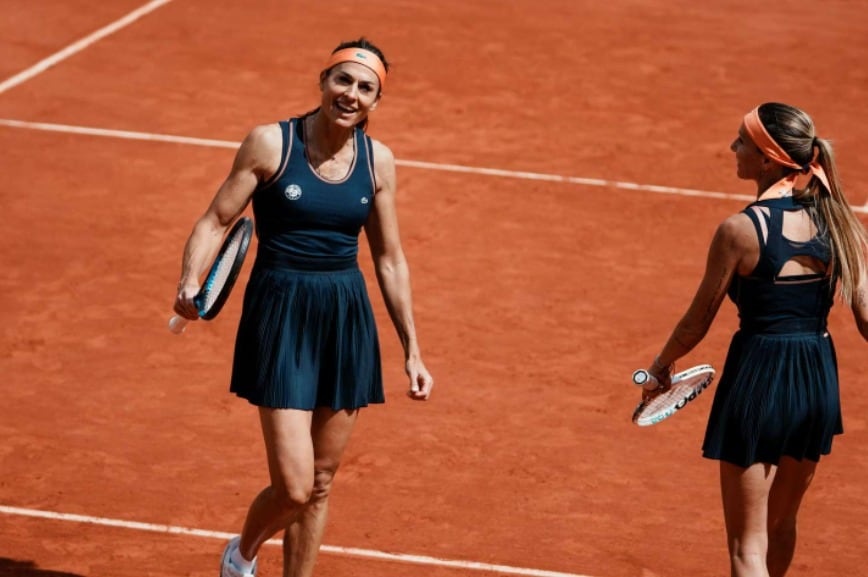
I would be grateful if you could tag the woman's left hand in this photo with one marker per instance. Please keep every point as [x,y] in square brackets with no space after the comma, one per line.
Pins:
[421,381]
[661,380]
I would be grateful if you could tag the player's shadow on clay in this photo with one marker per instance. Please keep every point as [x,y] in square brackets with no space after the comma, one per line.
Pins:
[14,568]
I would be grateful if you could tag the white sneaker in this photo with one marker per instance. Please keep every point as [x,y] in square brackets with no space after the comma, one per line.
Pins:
[227,568]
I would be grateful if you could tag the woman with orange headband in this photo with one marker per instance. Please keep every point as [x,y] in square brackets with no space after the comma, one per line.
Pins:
[777,407]
[307,353]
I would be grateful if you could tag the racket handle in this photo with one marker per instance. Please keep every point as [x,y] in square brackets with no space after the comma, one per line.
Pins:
[642,377]
[177,324]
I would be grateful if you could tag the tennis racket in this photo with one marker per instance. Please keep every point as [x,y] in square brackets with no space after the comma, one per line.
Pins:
[686,386]
[218,284]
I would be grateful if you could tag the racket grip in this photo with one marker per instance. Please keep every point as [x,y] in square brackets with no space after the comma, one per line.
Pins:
[177,324]
[642,377]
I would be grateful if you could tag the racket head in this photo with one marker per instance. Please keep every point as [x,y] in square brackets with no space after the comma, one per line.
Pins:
[686,386]
[224,271]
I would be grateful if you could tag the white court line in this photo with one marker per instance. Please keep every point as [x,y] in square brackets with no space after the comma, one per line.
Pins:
[129,135]
[348,551]
[124,134]
[79,45]
[208,142]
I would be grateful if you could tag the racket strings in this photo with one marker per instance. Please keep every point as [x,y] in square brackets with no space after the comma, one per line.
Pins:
[660,406]
[664,400]
[222,272]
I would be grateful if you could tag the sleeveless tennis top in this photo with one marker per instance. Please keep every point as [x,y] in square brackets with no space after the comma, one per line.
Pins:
[778,395]
[772,304]
[306,221]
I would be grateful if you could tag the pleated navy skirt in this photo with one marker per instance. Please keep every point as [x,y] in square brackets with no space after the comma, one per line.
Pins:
[307,339]
[778,396]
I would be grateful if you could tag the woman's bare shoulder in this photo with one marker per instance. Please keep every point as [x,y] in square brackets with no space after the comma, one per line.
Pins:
[737,230]
[382,153]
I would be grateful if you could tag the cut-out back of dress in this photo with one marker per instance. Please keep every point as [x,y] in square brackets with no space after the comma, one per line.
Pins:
[790,289]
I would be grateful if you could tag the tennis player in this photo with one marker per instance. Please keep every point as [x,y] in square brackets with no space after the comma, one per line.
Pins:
[307,352]
[777,407]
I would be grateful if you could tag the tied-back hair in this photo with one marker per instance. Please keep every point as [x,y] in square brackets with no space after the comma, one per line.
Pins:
[794,131]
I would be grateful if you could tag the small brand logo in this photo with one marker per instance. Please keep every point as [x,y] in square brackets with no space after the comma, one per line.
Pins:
[293,192]
[364,200]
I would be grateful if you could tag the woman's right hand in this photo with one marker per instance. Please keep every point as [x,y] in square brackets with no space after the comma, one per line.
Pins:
[185,304]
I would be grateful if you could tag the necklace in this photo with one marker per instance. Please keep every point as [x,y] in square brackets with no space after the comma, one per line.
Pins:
[335,167]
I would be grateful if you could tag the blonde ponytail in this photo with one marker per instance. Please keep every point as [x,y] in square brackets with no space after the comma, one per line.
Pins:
[848,237]
[793,130]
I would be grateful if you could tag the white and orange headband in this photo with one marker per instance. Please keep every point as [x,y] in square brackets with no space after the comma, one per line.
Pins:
[767,145]
[361,56]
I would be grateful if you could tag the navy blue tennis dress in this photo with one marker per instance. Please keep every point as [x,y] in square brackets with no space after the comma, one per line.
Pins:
[778,395]
[307,336]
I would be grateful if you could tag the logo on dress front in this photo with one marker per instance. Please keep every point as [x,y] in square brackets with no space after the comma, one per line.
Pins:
[364,200]
[292,192]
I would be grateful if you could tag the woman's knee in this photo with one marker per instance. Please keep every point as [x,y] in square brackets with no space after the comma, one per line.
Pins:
[322,483]
[292,495]
[751,553]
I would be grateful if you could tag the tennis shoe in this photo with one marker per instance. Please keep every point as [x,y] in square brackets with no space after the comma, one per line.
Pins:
[227,567]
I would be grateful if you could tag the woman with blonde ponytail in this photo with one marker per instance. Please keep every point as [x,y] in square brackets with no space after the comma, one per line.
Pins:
[781,260]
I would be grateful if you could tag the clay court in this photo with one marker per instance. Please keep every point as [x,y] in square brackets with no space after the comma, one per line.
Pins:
[562,167]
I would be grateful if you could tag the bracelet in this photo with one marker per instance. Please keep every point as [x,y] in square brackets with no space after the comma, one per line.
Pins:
[661,367]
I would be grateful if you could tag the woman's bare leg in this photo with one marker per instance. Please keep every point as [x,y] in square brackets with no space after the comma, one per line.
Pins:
[791,481]
[301,542]
[745,493]
[289,449]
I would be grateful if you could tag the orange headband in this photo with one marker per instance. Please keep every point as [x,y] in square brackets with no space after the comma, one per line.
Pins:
[773,150]
[360,56]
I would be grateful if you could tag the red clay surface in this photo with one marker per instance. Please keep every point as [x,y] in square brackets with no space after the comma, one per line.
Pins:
[534,300]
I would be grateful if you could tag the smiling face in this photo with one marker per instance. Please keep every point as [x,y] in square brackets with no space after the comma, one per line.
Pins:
[749,160]
[349,92]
